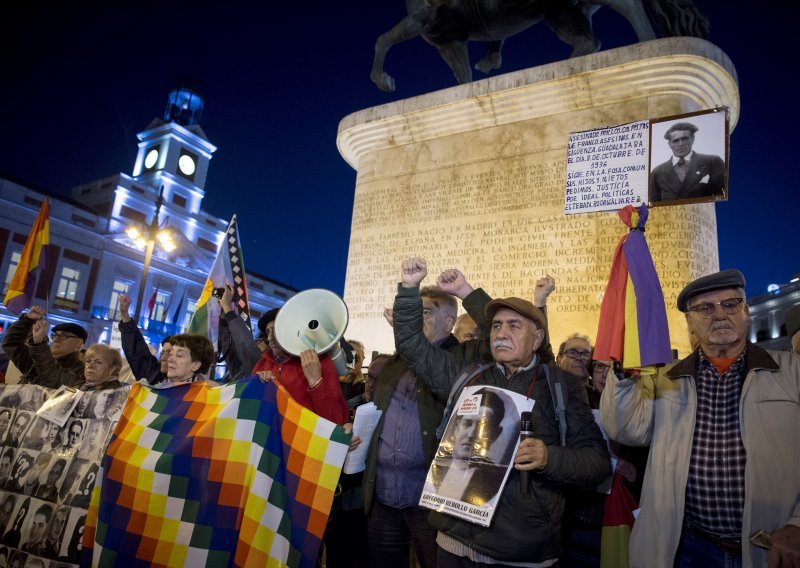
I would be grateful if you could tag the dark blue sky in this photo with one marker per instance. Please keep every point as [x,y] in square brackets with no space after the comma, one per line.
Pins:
[79,81]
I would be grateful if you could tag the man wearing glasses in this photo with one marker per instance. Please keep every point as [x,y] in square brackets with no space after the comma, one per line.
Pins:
[574,355]
[723,426]
[53,365]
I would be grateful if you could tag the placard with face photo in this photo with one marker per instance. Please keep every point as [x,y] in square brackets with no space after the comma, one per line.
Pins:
[8,501]
[13,535]
[7,457]
[19,471]
[5,421]
[82,489]
[32,399]
[35,529]
[50,481]
[94,441]
[102,404]
[20,423]
[53,541]
[36,436]
[9,396]
[32,481]
[72,436]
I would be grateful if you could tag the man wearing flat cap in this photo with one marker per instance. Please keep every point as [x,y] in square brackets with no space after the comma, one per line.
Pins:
[722,425]
[686,174]
[525,529]
[49,365]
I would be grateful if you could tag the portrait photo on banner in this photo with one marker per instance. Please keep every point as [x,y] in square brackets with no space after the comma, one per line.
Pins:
[689,158]
[50,453]
[476,452]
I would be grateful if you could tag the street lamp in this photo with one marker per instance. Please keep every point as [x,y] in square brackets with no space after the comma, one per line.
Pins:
[146,238]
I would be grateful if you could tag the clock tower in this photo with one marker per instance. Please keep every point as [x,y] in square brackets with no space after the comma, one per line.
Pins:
[174,152]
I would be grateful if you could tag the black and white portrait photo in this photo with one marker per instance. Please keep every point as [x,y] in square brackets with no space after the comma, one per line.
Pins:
[688,158]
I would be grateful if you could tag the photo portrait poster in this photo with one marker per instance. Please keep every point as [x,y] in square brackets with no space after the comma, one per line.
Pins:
[670,160]
[476,453]
[48,469]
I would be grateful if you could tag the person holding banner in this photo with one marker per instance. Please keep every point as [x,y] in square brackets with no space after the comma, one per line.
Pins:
[525,529]
[53,365]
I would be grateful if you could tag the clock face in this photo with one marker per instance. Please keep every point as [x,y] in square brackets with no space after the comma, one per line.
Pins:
[186,165]
[151,158]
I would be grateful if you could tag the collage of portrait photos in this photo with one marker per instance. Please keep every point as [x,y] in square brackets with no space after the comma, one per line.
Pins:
[48,470]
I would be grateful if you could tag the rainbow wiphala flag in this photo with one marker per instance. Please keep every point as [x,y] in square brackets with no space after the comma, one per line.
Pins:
[201,475]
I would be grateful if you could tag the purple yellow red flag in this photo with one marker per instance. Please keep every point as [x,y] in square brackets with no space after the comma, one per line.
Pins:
[20,289]
[633,317]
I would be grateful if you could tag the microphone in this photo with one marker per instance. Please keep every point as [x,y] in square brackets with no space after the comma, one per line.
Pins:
[525,432]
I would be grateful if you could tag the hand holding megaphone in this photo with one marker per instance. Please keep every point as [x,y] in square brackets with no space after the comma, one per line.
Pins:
[312,368]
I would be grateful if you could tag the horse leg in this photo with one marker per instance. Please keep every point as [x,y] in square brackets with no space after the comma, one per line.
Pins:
[573,26]
[409,27]
[493,57]
[634,12]
[455,54]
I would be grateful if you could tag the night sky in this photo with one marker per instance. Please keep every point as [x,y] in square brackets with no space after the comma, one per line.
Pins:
[79,81]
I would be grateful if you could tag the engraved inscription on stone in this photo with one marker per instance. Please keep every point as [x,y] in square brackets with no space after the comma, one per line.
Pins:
[504,228]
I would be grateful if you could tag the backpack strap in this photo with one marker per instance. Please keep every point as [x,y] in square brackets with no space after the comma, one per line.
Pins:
[470,372]
[557,394]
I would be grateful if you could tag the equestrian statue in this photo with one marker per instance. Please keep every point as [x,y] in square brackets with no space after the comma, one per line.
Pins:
[449,24]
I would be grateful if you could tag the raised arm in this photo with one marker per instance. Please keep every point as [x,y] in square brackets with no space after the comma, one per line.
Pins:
[436,367]
[143,364]
[626,409]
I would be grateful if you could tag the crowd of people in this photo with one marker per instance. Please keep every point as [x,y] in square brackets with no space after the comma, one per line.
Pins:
[707,445]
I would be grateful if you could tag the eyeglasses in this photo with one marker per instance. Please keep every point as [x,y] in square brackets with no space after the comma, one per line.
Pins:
[707,309]
[62,336]
[597,366]
[575,354]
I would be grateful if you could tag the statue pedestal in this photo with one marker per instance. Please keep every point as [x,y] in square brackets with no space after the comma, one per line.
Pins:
[473,177]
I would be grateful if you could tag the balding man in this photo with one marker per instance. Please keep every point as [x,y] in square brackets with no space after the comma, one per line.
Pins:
[525,530]
[722,425]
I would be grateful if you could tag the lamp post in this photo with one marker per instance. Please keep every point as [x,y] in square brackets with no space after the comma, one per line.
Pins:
[146,239]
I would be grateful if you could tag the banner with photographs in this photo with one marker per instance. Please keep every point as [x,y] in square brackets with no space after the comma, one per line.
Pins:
[662,161]
[476,453]
[51,443]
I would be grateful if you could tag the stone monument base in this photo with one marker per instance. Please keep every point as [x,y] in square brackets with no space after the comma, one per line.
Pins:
[473,177]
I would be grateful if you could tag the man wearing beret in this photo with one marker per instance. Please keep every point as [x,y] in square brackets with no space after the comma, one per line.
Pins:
[52,365]
[686,174]
[525,529]
[722,425]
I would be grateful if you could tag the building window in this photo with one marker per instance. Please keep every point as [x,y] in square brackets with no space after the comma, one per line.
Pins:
[32,201]
[68,284]
[119,288]
[187,317]
[207,245]
[179,200]
[132,214]
[158,312]
[12,267]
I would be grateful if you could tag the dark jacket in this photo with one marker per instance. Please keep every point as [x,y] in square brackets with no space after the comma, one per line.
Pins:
[430,406]
[237,343]
[705,175]
[36,362]
[526,527]
[144,364]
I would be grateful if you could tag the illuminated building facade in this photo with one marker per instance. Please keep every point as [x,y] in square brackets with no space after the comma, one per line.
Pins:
[92,260]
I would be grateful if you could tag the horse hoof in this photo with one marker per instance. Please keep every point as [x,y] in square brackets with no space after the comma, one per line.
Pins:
[487,64]
[384,82]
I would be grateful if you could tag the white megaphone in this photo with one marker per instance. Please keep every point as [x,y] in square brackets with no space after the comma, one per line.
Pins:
[313,319]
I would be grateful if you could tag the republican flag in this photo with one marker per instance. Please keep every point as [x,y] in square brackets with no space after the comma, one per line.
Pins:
[633,317]
[152,303]
[228,269]
[20,290]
